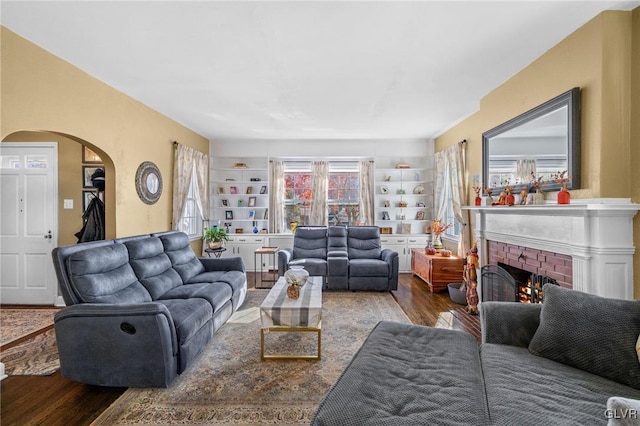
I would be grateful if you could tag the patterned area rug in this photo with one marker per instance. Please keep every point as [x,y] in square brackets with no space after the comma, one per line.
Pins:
[17,323]
[36,356]
[228,384]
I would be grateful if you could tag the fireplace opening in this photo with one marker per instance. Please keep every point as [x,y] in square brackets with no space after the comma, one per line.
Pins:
[507,283]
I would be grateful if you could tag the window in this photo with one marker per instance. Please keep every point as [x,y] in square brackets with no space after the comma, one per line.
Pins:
[342,198]
[298,197]
[191,219]
[449,216]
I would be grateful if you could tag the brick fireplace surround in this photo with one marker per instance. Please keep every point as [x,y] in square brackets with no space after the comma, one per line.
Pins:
[586,245]
[541,262]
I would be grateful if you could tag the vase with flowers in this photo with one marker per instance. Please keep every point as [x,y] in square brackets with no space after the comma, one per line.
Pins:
[564,196]
[478,200]
[489,192]
[438,228]
[536,185]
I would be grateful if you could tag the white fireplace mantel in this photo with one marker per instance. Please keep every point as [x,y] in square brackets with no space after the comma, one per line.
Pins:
[596,233]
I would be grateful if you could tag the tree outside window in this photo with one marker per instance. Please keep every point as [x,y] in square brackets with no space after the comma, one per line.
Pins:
[297,205]
[342,198]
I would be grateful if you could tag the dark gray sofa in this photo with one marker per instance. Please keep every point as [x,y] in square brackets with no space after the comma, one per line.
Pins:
[349,258]
[140,309]
[555,364]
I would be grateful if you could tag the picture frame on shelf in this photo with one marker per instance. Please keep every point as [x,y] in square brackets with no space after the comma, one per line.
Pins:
[252,202]
[220,190]
[228,214]
[266,214]
[263,189]
[240,203]
[87,172]
[233,190]
[385,215]
[252,214]
[406,228]
[249,189]
[420,215]
[225,202]
[90,157]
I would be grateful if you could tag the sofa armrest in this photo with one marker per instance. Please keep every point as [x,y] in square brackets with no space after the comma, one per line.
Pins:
[131,345]
[284,257]
[387,255]
[222,264]
[509,323]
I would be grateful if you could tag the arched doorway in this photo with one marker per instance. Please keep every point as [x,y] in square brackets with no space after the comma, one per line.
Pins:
[71,180]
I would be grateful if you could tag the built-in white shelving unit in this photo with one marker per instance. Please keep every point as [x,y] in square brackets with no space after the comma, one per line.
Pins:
[240,194]
[404,193]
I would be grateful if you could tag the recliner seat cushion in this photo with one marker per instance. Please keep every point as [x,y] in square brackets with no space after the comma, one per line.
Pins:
[189,316]
[183,259]
[152,266]
[315,267]
[368,268]
[217,294]
[234,279]
[104,275]
[572,323]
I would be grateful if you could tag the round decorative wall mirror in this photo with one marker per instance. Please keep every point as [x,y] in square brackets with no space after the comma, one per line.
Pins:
[148,182]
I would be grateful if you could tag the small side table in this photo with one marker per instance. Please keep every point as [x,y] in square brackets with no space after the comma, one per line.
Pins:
[216,252]
[272,276]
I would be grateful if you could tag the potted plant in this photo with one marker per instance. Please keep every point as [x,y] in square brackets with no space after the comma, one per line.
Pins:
[215,237]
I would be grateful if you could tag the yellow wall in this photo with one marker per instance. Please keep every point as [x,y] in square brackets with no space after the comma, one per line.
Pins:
[635,141]
[599,58]
[41,92]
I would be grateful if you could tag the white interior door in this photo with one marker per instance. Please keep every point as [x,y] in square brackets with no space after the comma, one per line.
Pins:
[28,222]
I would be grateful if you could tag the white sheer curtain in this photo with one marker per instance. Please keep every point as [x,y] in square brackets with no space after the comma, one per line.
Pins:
[440,196]
[366,192]
[185,160]
[451,170]
[276,197]
[319,177]
[524,170]
[201,165]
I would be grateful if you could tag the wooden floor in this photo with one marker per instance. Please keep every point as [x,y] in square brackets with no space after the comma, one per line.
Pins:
[54,400]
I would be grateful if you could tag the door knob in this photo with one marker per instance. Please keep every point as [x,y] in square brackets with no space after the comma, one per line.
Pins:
[49,236]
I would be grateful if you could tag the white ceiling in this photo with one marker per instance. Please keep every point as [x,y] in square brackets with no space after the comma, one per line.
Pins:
[307,69]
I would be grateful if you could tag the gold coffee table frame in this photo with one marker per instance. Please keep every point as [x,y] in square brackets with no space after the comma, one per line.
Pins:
[281,328]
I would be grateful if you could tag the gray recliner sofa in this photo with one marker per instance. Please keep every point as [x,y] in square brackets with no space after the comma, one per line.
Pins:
[565,362]
[140,309]
[349,258]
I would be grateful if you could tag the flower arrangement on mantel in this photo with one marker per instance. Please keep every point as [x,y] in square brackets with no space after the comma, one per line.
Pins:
[564,197]
[563,180]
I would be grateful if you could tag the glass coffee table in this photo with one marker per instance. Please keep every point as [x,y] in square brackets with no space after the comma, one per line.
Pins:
[278,313]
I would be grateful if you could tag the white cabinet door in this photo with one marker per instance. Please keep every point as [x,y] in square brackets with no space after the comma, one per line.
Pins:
[398,244]
[245,247]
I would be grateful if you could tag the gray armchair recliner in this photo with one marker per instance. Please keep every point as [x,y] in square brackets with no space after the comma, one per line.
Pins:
[349,258]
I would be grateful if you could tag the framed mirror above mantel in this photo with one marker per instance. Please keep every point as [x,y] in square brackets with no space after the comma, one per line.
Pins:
[544,140]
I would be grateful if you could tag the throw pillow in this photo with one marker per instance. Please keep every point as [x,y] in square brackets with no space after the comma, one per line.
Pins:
[589,332]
